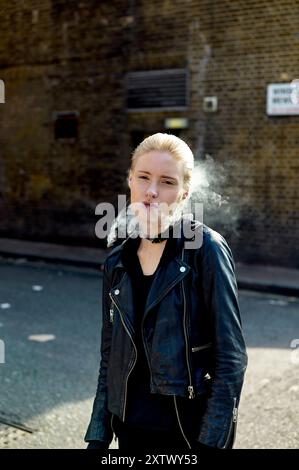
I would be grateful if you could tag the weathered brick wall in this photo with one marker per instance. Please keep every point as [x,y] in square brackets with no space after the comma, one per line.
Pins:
[255,43]
[73,55]
[56,56]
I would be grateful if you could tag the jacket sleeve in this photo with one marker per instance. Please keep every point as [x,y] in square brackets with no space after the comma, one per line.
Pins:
[218,424]
[100,423]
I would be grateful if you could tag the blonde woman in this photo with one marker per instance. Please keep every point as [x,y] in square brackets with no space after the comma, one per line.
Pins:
[173,355]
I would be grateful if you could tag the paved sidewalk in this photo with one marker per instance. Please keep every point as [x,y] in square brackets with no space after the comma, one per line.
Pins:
[284,281]
[75,255]
[249,276]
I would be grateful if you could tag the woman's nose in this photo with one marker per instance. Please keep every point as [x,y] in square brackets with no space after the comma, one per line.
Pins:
[152,191]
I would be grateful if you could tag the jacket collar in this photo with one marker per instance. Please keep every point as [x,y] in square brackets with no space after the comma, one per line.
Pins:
[169,272]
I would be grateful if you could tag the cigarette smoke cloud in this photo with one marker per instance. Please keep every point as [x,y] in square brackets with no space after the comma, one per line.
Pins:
[208,188]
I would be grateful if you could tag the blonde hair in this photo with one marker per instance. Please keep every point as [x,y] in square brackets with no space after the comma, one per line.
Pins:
[167,143]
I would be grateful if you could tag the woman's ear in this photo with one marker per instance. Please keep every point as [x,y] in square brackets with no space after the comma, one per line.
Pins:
[129,179]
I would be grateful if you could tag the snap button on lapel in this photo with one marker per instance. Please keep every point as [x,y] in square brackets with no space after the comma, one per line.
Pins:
[182,269]
[116,292]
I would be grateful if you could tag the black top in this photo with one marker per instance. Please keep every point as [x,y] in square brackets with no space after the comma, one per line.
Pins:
[145,409]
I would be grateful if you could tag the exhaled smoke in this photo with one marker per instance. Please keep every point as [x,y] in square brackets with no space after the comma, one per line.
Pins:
[131,222]
[210,187]
[208,190]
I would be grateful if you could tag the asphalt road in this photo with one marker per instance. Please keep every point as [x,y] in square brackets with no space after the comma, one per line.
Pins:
[50,330]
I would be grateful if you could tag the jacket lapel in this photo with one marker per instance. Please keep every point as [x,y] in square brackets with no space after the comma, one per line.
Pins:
[167,276]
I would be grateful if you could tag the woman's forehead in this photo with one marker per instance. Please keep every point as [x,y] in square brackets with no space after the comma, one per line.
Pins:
[158,161]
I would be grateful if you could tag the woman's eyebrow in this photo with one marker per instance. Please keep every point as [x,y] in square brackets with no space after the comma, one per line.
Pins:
[162,176]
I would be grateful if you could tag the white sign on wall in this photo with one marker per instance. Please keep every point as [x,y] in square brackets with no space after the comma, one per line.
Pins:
[283,99]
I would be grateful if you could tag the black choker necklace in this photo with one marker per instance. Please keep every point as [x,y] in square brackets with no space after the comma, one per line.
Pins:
[156,239]
[161,237]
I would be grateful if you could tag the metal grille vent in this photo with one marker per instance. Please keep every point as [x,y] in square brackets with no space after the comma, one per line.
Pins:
[157,89]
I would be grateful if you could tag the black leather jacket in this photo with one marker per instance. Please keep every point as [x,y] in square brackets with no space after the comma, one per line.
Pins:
[194,344]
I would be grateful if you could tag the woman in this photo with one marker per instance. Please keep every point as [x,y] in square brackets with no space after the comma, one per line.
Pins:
[173,355]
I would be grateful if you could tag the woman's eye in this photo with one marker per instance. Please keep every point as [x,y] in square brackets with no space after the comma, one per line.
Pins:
[143,177]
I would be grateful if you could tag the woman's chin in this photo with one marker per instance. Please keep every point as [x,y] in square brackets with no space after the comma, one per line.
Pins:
[152,230]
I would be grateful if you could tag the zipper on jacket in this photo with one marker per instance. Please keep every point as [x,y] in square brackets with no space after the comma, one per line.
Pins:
[233,420]
[190,386]
[145,348]
[115,437]
[134,360]
[179,421]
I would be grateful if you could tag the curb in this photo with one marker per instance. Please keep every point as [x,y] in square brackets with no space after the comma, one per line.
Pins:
[274,280]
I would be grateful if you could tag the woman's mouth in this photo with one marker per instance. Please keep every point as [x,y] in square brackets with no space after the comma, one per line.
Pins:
[151,205]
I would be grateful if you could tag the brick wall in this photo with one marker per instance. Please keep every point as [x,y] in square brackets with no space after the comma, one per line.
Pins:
[255,43]
[67,55]
[57,56]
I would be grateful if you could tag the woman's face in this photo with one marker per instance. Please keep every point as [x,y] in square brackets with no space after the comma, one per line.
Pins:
[156,183]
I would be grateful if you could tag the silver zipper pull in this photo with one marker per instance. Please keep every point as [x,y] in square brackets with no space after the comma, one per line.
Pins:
[191,391]
[235,415]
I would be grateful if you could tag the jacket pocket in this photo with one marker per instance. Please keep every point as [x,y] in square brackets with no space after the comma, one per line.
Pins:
[201,358]
[202,347]
[202,355]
